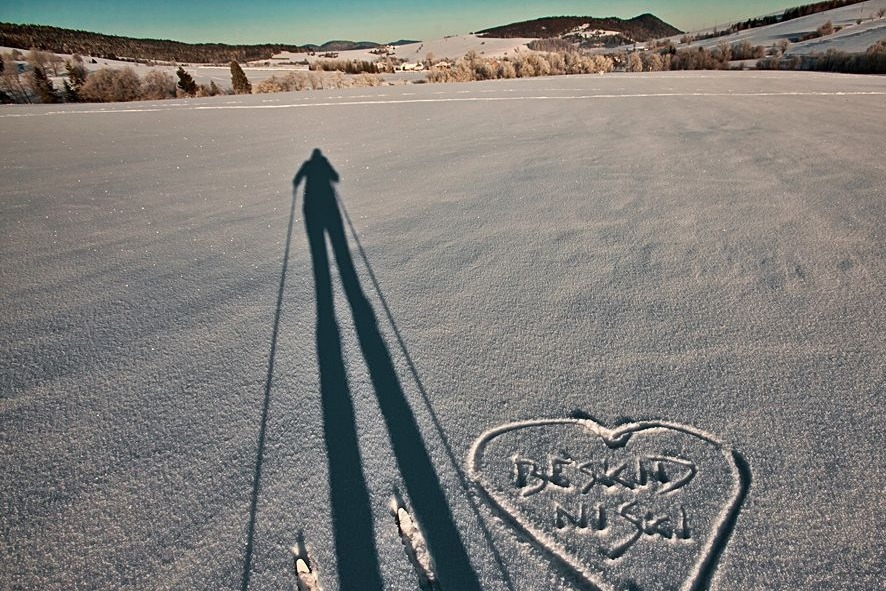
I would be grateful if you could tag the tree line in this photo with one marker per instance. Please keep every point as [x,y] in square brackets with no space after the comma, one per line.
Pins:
[872,61]
[30,82]
[524,65]
[114,47]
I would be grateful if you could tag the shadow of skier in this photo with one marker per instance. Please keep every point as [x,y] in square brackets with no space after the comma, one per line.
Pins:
[352,516]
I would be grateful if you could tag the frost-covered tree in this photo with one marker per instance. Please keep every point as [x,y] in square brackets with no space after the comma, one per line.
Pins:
[652,62]
[186,82]
[723,52]
[4,96]
[506,70]
[11,82]
[111,84]
[238,80]
[157,85]
[634,63]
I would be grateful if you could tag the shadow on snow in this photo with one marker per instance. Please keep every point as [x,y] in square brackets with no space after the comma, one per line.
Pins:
[356,553]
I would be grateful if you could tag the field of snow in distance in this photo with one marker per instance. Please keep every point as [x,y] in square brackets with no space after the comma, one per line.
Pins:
[527,272]
[452,47]
[280,64]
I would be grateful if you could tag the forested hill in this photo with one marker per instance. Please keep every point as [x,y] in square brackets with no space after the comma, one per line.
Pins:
[639,28]
[60,40]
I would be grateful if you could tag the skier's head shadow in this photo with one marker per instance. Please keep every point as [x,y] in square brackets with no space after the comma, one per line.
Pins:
[358,565]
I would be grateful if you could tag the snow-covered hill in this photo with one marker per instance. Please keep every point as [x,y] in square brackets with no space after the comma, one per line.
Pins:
[853,37]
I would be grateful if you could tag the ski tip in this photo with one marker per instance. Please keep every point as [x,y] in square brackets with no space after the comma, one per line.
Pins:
[300,560]
[305,577]
[404,520]
[301,567]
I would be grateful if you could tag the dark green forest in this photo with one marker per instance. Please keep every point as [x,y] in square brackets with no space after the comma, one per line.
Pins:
[640,28]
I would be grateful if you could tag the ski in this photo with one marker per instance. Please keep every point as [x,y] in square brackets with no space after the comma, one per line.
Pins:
[306,578]
[415,545]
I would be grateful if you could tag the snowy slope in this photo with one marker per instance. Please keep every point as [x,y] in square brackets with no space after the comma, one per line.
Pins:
[853,37]
[682,247]
[452,47]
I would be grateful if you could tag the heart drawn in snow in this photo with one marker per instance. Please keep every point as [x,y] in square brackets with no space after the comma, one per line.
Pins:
[646,506]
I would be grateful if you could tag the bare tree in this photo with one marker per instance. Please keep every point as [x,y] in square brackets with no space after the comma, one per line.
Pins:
[11,82]
[37,58]
[55,63]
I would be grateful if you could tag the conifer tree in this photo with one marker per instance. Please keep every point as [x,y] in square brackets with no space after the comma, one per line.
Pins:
[186,82]
[41,86]
[238,79]
[76,79]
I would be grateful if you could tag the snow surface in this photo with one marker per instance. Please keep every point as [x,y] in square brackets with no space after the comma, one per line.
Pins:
[699,248]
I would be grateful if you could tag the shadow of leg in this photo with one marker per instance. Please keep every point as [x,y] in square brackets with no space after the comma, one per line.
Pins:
[349,498]
[454,570]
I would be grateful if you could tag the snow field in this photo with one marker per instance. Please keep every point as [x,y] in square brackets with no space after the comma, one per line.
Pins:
[699,248]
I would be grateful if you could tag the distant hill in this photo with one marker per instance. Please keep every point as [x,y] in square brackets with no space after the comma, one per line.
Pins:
[60,40]
[640,28]
[339,45]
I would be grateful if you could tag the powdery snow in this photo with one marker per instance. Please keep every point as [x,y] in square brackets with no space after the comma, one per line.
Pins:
[693,249]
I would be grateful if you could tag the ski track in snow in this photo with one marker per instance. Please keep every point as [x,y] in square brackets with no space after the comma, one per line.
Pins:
[393,101]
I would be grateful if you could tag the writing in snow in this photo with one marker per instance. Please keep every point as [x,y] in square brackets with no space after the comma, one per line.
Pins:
[658,475]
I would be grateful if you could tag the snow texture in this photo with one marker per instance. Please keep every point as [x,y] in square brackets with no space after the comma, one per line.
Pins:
[704,249]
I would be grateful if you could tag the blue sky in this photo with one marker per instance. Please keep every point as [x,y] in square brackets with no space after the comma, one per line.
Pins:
[310,21]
